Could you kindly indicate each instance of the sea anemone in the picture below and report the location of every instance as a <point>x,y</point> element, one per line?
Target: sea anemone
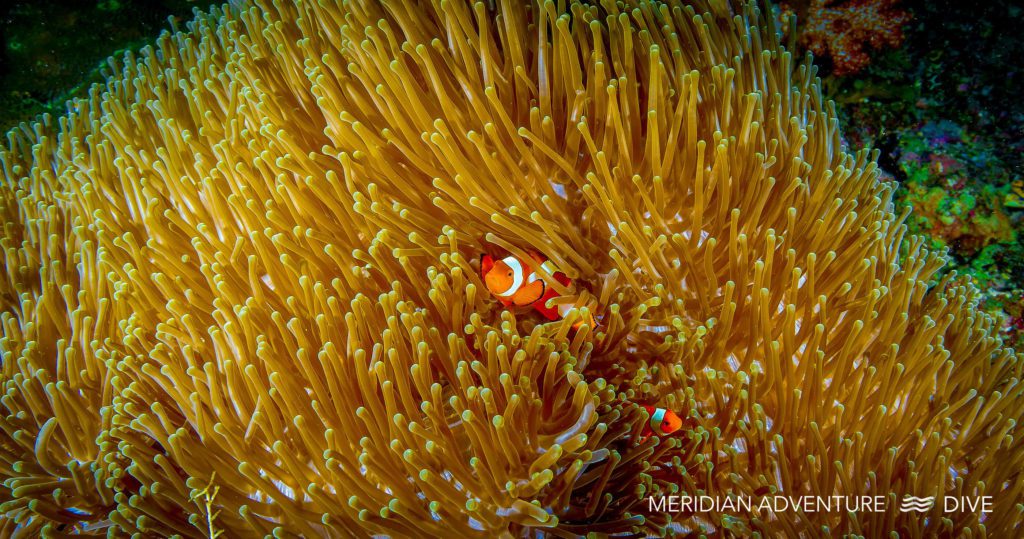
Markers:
<point>242,293</point>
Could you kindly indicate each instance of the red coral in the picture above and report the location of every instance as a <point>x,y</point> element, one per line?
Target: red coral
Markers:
<point>844,30</point>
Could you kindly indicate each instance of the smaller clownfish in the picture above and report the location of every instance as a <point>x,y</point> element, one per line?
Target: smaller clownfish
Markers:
<point>513,282</point>
<point>662,422</point>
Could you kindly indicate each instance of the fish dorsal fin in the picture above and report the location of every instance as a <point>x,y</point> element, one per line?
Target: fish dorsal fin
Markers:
<point>486,264</point>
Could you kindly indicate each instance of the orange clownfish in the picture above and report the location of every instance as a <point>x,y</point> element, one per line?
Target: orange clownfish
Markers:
<point>513,282</point>
<point>662,422</point>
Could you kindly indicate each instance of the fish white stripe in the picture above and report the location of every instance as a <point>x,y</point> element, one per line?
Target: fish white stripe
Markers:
<point>517,276</point>
<point>548,267</point>
<point>657,417</point>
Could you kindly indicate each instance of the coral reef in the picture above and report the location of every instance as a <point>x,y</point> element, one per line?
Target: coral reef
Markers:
<point>948,206</point>
<point>242,295</point>
<point>964,202</point>
<point>845,32</point>
<point>944,112</point>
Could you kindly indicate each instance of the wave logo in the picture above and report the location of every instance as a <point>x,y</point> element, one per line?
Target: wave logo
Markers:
<point>913,503</point>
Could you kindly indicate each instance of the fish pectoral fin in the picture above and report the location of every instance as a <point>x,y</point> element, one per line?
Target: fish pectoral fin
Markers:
<point>530,293</point>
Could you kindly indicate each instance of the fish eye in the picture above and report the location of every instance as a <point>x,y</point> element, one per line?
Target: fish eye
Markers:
<point>510,274</point>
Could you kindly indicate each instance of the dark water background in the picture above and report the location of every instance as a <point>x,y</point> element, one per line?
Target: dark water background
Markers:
<point>52,49</point>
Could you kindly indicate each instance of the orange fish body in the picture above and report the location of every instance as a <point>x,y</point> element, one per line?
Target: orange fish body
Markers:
<point>662,422</point>
<point>512,282</point>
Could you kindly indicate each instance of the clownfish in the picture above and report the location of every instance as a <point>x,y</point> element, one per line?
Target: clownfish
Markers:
<point>512,282</point>
<point>662,422</point>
